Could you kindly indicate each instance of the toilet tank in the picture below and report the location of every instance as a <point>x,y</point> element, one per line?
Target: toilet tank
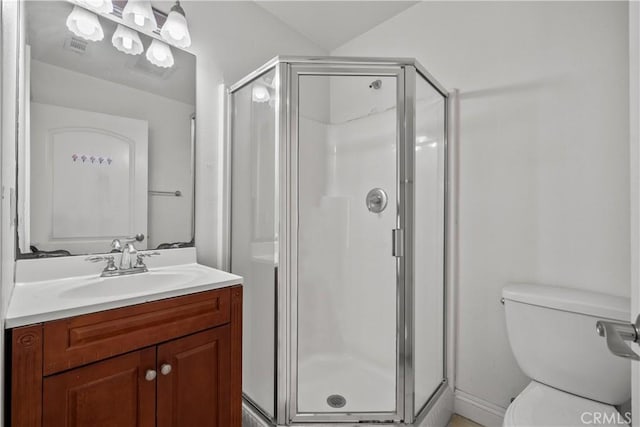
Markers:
<point>552,332</point>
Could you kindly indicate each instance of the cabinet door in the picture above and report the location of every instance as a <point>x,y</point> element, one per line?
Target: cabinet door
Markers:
<point>105,394</point>
<point>196,391</point>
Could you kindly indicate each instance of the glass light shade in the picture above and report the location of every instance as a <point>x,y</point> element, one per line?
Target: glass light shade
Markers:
<point>260,93</point>
<point>84,24</point>
<point>127,40</point>
<point>175,29</point>
<point>101,6</point>
<point>159,54</point>
<point>140,14</point>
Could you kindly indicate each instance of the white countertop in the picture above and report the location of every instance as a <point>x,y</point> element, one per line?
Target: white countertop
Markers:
<point>37,301</point>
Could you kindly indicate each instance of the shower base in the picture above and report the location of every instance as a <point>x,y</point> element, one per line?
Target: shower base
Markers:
<point>364,386</point>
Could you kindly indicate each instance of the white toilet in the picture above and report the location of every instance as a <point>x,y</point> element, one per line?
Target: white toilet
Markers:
<point>575,379</point>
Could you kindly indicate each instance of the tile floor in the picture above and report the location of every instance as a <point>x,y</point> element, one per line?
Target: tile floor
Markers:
<point>459,421</point>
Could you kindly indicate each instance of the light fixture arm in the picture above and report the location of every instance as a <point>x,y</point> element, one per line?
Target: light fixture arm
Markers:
<point>177,8</point>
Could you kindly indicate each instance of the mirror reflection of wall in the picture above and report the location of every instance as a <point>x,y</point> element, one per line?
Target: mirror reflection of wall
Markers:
<point>107,146</point>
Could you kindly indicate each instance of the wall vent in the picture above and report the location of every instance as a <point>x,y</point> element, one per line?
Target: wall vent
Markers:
<point>76,45</point>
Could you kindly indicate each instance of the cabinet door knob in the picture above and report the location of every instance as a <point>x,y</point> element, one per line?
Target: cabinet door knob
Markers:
<point>150,375</point>
<point>165,369</point>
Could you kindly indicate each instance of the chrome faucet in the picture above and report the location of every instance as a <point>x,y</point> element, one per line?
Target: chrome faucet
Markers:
<point>129,254</point>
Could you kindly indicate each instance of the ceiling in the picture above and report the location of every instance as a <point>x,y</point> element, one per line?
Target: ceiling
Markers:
<point>330,24</point>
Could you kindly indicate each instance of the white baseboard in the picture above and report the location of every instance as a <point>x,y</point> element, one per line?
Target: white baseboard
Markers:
<point>478,410</point>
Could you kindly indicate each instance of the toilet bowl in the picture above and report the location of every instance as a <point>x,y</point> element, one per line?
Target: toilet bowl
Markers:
<point>575,380</point>
<point>541,405</point>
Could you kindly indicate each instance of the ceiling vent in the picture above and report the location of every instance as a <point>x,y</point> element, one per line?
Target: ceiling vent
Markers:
<point>75,44</point>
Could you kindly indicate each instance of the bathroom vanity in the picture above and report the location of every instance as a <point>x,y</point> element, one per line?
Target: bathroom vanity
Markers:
<point>95,353</point>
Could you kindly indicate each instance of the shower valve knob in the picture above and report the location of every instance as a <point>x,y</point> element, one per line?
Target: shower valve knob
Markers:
<point>376,200</point>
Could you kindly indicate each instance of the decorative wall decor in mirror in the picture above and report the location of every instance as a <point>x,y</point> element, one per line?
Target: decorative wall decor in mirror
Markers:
<point>106,147</point>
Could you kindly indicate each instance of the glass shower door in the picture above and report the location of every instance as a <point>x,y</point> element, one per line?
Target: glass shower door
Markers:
<point>346,340</point>
<point>254,238</point>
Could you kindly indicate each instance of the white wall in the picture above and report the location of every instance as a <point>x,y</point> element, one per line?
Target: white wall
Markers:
<point>9,39</point>
<point>544,175</point>
<point>230,40</point>
<point>169,138</point>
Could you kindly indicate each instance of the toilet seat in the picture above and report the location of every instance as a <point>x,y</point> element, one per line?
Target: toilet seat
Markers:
<point>541,405</point>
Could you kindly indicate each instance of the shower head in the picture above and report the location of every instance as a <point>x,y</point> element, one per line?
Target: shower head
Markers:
<point>376,84</point>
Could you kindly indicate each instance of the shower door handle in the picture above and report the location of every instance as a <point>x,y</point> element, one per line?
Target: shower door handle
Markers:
<point>397,238</point>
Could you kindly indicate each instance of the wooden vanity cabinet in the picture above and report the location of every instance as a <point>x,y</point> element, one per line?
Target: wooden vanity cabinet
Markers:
<point>113,392</point>
<point>169,363</point>
<point>199,394</point>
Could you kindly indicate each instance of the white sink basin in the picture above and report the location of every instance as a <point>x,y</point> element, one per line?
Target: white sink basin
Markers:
<point>48,290</point>
<point>129,285</point>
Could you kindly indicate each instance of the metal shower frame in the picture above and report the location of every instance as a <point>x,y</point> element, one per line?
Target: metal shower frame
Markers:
<point>287,70</point>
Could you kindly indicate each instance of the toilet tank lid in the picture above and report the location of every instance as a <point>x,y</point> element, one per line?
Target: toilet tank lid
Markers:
<point>568,299</point>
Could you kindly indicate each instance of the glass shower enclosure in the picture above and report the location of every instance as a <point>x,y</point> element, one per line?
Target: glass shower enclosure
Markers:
<point>337,224</point>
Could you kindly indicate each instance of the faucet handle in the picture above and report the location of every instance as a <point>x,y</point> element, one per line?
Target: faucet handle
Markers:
<point>141,255</point>
<point>116,245</point>
<point>111,264</point>
<point>137,238</point>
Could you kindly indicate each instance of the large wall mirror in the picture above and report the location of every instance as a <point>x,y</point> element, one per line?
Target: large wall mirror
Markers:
<point>106,148</point>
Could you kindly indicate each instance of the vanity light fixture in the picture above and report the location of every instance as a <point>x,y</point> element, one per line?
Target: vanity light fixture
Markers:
<point>175,30</point>
<point>100,6</point>
<point>140,14</point>
<point>85,24</point>
<point>127,40</point>
<point>160,54</point>
<point>260,93</point>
